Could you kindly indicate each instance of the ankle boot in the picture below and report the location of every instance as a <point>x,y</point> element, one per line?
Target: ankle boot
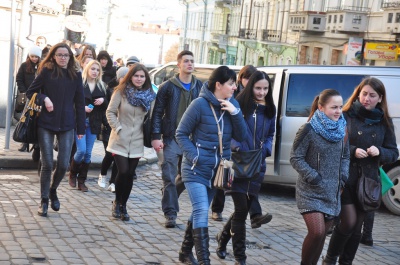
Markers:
<point>73,173</point>
<point>24,147</point>
<point>238,233</point>
<point>124,212</point>
<point>44,205</point>
<point>83,170</point>
<point>201,244</point>
<point>116,210</point>
<point>223,238</point>
<point>349,252</point>
<point>335,248</point>
<point>185,253</point>
<point>366,237</point>
<point>55,203</point>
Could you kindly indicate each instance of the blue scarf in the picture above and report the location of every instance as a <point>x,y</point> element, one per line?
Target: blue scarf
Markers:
<point>140,97</point>
<point>333,131</point>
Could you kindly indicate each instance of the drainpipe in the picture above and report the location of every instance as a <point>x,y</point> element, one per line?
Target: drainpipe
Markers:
<point>24,24</point>
<point>186,26</point>
<point>204,31</point>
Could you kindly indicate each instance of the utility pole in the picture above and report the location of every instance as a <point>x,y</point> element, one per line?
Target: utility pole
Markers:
<point>204,31</point>
<point>185,45</point>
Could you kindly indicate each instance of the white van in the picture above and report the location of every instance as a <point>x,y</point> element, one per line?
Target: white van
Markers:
<point>294,89</point>
<point>201,71</point>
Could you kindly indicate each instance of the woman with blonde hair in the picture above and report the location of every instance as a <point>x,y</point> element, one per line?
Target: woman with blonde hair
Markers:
<point>95,106</point>
<point>129,103</point>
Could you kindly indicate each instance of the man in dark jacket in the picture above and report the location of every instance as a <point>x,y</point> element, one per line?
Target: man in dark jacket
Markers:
<point>173,97</point>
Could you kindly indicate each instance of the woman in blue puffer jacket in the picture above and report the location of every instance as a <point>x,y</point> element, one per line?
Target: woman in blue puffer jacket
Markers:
<point>197,136</point>
<point>259,112</point>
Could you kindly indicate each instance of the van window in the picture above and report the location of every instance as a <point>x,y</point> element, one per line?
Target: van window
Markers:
<point>165,73</point>
<point>303,88</point>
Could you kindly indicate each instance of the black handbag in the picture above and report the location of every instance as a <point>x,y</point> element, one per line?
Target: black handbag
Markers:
<point>147,130</point>
<point>26,128</point>
<point>20,102</point>
<point>247,164</point>
<point>369,192</point>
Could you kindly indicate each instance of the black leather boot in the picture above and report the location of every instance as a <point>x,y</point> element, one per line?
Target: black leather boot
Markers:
<point>223,238</point>
<point>238,233</point>
<point>83,170</point>
<point>335,248</point>
<point>73,173</point>
<point>124,213</point>
<point>349,252</point>
<point>44,205</point>
<point>24,147</point>
<point>185,253</point>
<point>55,203</point>
<point>366,237</point>
<point>116,209</point>
<point>201,244</point>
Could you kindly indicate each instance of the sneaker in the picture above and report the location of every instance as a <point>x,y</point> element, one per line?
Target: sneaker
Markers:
<point>111,187</point>
<point>170,221</point>
<point>102,182</point>
<point>216,216</point>
<point>259,220</point>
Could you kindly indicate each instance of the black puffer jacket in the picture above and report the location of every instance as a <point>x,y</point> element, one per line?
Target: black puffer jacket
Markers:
<point>23,78</point>
<point>166,108</point>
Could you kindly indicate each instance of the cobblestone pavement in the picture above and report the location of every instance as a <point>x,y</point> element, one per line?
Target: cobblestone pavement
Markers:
<point>83,231</point>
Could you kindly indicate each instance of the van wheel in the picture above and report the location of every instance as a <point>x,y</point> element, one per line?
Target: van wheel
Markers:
<point>391,199</point>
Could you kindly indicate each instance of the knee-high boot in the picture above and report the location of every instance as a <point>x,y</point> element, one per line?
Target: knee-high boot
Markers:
<point>238,232</point>
<point>366,237</point>
<point>73,173</point>
<point>349,252</point>
<point>185,253</point>
<point>83,170</point>
<point>335,248</point>
<point>201,244</point>
<point>223,238</point>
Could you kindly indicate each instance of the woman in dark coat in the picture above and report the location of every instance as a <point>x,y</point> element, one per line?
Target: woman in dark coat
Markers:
<point>26,75</point>
<point>259,111</point>
<point>95,107</point>
<point>197,136</point>
<point>372,143</point>
<point>63,110</point>
<point>109,71</point>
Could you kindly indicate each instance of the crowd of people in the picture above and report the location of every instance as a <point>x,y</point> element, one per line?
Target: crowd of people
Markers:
<point>86,96</point>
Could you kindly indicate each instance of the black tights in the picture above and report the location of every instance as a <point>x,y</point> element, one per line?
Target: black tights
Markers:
<point>313,244</point>
<point>351,219</point>
<point>124,180</point>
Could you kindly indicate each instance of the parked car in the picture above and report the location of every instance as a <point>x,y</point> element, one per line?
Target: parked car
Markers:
<point>201,71</point>
<point>294,88</point>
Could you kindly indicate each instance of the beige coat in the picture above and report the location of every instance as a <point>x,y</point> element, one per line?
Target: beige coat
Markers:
<point>126,121</point>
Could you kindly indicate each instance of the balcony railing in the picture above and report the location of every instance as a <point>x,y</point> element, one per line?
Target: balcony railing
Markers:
<point>348,8</point>
<point>250,34</point>
<point>391,4</point>
<point>271,35</point>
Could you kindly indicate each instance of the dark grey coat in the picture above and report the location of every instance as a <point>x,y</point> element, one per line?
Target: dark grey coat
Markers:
<point>323,168</point>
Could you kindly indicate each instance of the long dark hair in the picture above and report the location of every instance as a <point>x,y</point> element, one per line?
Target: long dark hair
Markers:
<point>221,74</point>
<point>246,96</point>
<point>379,88</point>
<point>50,63</point>
<point>30,66</point>
<point>128,79</point>
<point>322,99</point>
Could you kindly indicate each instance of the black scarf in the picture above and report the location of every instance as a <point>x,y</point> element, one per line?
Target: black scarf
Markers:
<point>367,116</point>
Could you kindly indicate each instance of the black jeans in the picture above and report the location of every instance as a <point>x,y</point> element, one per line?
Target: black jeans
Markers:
<point>218,203</point>
<point>242,204</point>
<point>108,159</point>
<point>46,140</point>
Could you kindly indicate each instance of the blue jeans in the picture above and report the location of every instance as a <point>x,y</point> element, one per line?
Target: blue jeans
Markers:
<point>169,170</point>
<point>46,141</point>
<point>84,146</point>
<point>200,197</point>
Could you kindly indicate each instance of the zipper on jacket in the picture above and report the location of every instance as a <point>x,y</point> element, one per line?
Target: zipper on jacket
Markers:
<point>318,160</point>
<point>198,154</point>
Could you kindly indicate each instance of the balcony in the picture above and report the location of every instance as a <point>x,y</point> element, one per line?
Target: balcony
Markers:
<point>271,35</point>
<point>350,19</point>
<point>220,37</point>
<point>393,4</point>
<point>308,21</point>
<point>222,3</point>
<point>348,8</point>
<point>250,34</point>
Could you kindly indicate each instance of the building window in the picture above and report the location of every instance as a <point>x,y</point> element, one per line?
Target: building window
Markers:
<point>334,18</point>
<point>329,18</point>
<point>397,18</point>
<point>304,20</point>
<point>291,20</point>
<point>317,21</point>
<point>356,19</point>
<point>390,18</point>
<point>341,19</point>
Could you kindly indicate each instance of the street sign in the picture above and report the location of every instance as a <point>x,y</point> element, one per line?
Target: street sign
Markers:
<point>76,23</point>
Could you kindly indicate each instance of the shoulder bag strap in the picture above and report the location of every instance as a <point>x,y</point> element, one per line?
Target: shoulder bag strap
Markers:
<point>219,131</point>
